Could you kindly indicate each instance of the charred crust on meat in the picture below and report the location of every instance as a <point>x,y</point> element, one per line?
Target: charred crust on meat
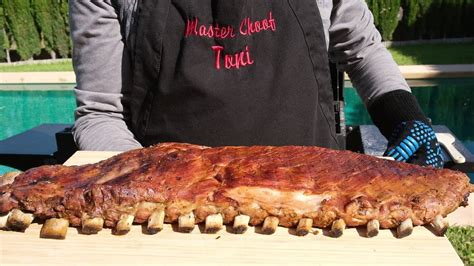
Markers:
<point>214,223</point>
<point>186,223</point>
<point>304,227</point>
<point>240,229</point>
<point>336,233</point>
<point>465,201</point>
<point>373,227</point>
<point>124,225</point>
<point>54,228</point>
<point>91,225</point>
<point>337,228</point>
<point>270,225</point>
<point>359,190</point>
<point>19,221</point>
<point>440,225</point>
<point>405,228</point>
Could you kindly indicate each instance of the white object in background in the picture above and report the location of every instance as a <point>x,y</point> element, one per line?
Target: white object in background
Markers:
<point>386,158</point>
<point>447,140</point>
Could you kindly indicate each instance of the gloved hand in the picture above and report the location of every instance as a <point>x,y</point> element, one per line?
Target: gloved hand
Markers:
<point>415,142</point>
<point>400,119</point>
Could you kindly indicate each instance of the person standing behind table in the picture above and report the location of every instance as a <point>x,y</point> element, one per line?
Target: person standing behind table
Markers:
<point>234,72</point>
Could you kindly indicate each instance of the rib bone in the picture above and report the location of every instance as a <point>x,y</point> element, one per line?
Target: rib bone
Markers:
<point>8,178</point>
<point>54,228</point>
<point>373,227</point>
<point>186,222</point>
<point>156,221</point>
<point>270,225</point>
<point>19,221</point>
<point>3,220</point>
<point>91,225</point>
<point>440,225</point>
<point>241,224</point>
<point>337,228</point>
<point>304,227</point>
<point>405,228</point>
<point>124,224</point>
<point>286,182</point>
<point>214,223</point>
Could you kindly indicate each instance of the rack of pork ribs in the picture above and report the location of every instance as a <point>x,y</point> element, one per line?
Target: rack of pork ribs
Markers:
<point>291,186</point>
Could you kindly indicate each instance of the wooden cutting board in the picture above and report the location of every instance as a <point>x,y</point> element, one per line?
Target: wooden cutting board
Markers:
<point>223,248</point>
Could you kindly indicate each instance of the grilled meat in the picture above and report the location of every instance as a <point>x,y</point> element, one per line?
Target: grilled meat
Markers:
<point>290,183</point>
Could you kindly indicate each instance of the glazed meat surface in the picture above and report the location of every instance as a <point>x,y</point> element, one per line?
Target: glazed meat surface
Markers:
<point>289,182</point>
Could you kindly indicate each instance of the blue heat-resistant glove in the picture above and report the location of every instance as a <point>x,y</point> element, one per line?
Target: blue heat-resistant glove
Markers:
<point>415,142</point>
<point>400,119</point>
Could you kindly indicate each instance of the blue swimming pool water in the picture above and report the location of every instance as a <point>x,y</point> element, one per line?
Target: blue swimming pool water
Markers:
<point>449,102</point>
<point>21,110</point>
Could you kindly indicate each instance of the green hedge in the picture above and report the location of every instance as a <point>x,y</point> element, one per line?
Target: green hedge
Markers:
<point>4,44</point>
<point>21,24</point>
<point>423,19</point>
<point>386,16</point>
<point>30,26</point>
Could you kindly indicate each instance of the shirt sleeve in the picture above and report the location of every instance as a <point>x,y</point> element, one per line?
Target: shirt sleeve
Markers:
<point>98,50</point>
<point>355,45</point>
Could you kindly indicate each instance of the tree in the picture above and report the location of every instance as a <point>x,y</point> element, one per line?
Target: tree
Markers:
<point>22,25</point>
<point>42,10</point>
<point>3,36</point>
<point>386,16</point>
<point>51,21</point>
<point>414,9</point>
<point>468,18</point>
<point>64,9</point>
<point>374,7</point>
<point>61,27</point>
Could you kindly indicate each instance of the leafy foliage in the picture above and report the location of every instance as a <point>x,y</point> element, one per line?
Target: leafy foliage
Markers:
<point>462,239</point>
<point>44,21</point>
<point>436,19</point>
<point>22,26</point>
<point>3,36</point>
<point>386,16</point>
<point>415,9</point>
<point>60,15</point>
<point>50,20</point>
<point>34,25</point>
<point>423,19</point>
<point>28,26</point>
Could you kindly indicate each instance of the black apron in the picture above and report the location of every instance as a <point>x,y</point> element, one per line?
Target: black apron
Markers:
<point>230,72</point>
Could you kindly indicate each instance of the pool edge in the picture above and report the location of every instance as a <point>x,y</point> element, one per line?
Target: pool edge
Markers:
<point>410,72</point>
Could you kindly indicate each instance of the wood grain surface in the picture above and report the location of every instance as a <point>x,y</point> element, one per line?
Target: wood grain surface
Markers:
<point>223,248</point>
<point>171,247</point>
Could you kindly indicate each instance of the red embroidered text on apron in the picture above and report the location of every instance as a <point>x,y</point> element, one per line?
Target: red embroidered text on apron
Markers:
<point>246,28</point>
<point>229,72</point>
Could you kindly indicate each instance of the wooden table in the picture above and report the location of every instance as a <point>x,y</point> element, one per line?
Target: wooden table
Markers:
<point>223,248</point>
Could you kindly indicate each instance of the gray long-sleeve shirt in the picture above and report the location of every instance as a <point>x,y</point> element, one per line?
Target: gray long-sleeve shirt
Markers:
<point>99,29</point>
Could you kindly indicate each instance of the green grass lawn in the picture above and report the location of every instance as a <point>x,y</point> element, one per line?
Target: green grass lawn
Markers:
<point>417,54</point>
<point>49,67</point>
<point>462,239</point>
<point>440,54</point>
